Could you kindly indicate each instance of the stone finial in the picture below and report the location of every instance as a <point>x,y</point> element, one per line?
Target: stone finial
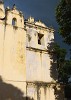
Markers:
<point>30,19</point>
<point>7,7</point>
<point>39,21</point>
<point>20,12</point>
<point>14,6</point>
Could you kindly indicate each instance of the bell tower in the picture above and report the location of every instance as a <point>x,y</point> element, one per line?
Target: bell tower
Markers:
<point>2,10</point>
<point>14,44</point>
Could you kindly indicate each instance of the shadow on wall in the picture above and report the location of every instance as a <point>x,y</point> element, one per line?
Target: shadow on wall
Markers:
<point>10,92</point>
<point>58,89</point>
<point>53,67</point>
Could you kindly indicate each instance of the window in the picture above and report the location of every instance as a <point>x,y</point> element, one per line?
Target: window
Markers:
<point>40,39</point>
<point>14,21</point>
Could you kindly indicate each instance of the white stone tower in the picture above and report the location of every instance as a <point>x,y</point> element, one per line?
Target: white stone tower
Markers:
<point>12,47</point>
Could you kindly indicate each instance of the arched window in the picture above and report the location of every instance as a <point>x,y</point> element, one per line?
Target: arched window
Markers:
<point>14,21</point>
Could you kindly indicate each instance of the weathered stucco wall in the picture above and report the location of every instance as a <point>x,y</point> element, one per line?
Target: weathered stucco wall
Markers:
<point>38,66</point>
<point>14,53</point>
<point>40,91</point>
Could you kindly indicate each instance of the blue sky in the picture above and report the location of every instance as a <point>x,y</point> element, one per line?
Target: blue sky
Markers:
<point>39,9</point>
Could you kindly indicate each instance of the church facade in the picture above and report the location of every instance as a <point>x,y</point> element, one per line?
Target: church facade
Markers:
<point>24,59</point>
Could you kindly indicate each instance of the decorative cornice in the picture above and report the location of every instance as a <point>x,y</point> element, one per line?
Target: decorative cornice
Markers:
<point>37,26</point>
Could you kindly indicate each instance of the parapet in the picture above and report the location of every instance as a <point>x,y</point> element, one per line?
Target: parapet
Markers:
<point>14,17</point>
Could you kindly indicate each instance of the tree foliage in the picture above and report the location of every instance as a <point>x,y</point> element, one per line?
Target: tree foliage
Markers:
<point>63,17</point>
<point>63,65</point>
